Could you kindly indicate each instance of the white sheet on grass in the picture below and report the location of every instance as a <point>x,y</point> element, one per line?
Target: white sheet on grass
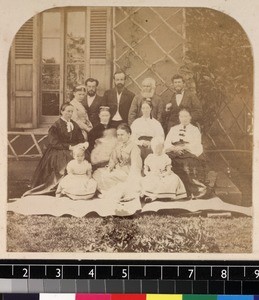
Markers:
<point>48,205</point>
<point>213,204</point>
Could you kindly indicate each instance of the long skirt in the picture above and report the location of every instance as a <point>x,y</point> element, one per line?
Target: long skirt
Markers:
<point>192,171</point>
<point>77,187</point>
<point>49,171</point>
<point>160,187</point>
<point>107,179</point>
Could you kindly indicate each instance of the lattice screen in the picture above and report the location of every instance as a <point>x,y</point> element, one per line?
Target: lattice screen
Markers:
<point>148,42</point>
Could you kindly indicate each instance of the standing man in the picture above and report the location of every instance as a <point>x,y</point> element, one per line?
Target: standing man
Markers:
<point>182,99</point>
<point>147,94</point>
<point>118,99</point>
<point>92,101</point>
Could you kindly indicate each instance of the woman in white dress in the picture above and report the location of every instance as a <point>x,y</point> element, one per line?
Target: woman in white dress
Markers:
<point>160,181</point>
<point>80,115</point>
<point>145,128</point>
<point>124,166</point>
<point>183,145</point>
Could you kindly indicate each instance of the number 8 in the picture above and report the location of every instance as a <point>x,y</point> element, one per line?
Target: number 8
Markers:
<point>224,274</point>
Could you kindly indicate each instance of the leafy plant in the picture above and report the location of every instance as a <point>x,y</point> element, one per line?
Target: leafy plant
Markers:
<point>218,63</point>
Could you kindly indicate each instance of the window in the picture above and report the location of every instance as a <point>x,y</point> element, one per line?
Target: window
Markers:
<point>73,47</point>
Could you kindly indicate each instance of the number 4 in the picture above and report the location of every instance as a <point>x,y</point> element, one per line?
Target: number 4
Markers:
<point>91,273</point>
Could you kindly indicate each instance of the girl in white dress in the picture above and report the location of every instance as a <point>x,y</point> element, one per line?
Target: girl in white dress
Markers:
<point>160,181</point>
<point>78,184</point>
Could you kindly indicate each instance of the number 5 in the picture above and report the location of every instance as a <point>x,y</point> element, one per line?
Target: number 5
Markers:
<point>124,273</point>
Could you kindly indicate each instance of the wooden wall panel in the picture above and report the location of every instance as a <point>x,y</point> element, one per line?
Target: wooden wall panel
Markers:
<point>23,112</point>
<point>23,77</point>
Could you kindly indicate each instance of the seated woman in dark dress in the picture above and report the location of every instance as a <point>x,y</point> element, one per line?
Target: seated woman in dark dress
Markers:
<point>62,136</point>
<point>183,145</point>
<point>98,130</point>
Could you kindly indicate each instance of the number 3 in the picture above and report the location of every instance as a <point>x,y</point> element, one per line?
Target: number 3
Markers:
<point>58,274</point>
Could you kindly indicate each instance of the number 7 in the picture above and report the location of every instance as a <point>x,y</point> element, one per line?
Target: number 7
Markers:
<point>191,272</point>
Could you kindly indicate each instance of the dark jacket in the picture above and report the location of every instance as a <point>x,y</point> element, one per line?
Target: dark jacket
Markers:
<point>135,109</point>
<point>93,110</point>
<point>110,99</point>
<point>190,102</point>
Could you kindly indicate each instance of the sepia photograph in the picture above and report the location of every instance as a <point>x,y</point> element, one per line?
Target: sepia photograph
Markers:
<point>130,130</point>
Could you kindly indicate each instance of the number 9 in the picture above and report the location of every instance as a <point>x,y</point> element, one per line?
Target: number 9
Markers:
<point>256,274</point>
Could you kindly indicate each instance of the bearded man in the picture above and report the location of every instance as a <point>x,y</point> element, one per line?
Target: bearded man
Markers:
<point>118,99</point>
<point>93,101</point>
<point>147,94</point>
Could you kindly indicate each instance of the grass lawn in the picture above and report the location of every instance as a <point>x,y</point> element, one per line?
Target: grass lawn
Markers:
<point>142,233</point>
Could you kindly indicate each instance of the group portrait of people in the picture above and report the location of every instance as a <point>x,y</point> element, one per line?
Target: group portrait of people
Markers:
<point>122,146</point>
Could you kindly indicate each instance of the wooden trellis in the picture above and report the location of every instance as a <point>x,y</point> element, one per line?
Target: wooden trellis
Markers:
<point>28,146</point>
<point>153,37</point>
<point>149,42</point>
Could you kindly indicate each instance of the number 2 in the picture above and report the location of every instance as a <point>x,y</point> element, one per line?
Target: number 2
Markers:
<point>25,274</point>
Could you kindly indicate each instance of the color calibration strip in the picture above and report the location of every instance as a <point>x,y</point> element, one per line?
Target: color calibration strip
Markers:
<point>122,297</point>
<point>128,286</point>
<point>129,277</point>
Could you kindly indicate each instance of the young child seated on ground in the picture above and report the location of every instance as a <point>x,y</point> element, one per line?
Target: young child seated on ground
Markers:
<point>78,184</point>
<point>160,181</point>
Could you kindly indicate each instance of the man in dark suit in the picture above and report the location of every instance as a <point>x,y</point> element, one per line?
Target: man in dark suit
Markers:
<point>182,99</point>
<point>147,94</point>
<point>92,101</point>
<point>119,100</point>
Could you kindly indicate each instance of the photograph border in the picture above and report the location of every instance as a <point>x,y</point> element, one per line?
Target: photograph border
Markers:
<point>13,16</point>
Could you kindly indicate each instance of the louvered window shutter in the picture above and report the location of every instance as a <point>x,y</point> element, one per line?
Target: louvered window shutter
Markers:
<point>24,41</point>
<point>100,46</point>
<point>98,33</point>
<point>22,77</point>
